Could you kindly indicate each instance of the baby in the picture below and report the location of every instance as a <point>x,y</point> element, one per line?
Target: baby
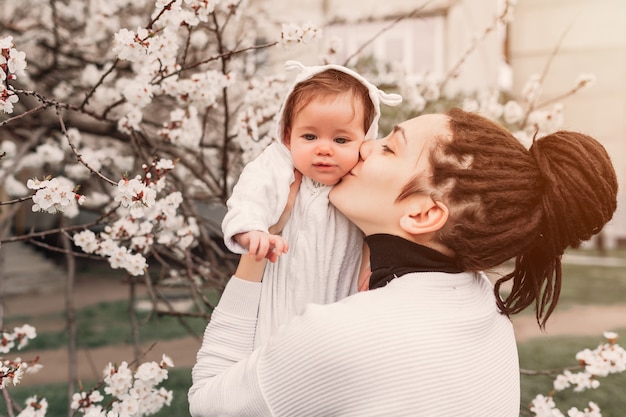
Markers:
<point>323,121</point>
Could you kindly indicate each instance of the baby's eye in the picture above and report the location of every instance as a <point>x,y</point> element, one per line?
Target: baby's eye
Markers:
<point>309,136</point>
<point>341,141</point>
<point>386,149</point>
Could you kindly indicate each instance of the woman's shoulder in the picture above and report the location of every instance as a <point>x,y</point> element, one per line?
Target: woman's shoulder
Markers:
<point>424,298</point>
<point>412,314</point>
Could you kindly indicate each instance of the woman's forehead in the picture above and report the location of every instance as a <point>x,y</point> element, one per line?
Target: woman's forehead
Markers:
<point>426,127</point>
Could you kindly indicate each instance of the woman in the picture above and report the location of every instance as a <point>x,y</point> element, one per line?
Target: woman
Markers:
<point>439,199</point>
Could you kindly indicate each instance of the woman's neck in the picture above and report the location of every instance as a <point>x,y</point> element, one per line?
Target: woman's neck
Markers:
<point>393,256</point>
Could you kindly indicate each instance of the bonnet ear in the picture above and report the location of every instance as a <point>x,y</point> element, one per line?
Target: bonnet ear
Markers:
<point>390,99</point>
<point>294,65</point>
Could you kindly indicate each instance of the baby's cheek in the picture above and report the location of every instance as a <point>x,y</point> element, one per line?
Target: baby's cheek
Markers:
<point>354,158</point>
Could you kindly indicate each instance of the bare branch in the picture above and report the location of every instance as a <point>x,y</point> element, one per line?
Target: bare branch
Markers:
<point>78,155</point>
<point>15,201</point>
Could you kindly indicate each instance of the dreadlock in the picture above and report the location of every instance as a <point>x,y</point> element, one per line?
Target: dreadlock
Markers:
<point>507,202</point>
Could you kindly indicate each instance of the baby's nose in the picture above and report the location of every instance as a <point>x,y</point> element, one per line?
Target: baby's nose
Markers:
<point>323,149</point>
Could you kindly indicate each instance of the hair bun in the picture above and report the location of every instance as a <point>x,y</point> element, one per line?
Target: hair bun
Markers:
<point>579,188</point>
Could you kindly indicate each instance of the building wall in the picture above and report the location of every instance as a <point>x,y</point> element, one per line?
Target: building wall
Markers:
<point>589,36</point>
<point>464,20</point>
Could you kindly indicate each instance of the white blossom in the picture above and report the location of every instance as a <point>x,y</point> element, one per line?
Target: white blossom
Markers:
<point>118,379</point>
<point>512,112</point>
<point>151,373</point>
<point>544,407</point>
<point>6,42</point>
<point>293,34</point>
<point>17,375</point>
<point>532,89</point>
<point>96,200</point>
<point>7,342</point>
<point>35,407</point>
<point>14,188</point>
<point>128,406</point>
<point>592,411</point>
<point>90,75</point>
<point>166,361</point>
<point>183,128</point>
<point>12,63</point>
<point>164,165</point>
<point>137,92</point>
<point>607,358</point>
<point>23,334</point>
<point>127,47</point>
<point>7,100</point>
<point>130,122</point>
<point>135,195</point>
<point>46,153</point>
<point>9,148</point>
<point>54,196</point>
<point>16,61</point>
<point>86,240</point>
<point>135,264</point>
<point>107,247</point>
<point>470,105</point>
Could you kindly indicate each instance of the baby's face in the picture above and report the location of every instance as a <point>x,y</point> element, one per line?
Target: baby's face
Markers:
<point>325,137</point>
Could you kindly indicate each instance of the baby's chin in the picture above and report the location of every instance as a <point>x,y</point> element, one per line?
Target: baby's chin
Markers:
<point>327,181</point>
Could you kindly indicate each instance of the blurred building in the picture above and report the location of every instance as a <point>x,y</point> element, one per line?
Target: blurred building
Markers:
<point>574,37</point>
<point>431,35</point>
<point>563,38</point>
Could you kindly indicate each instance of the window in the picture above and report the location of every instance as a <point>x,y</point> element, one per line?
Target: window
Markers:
<point>417,43</point>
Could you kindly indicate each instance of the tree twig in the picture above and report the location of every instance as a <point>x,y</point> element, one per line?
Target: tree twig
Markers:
<point>385,29</point>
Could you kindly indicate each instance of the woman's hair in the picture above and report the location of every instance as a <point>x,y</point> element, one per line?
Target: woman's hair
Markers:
<point>330,82</point>
<point>507,202</point>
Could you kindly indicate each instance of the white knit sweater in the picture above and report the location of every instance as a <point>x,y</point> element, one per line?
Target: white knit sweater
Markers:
<point>325,248</point>
<point>427,344</point>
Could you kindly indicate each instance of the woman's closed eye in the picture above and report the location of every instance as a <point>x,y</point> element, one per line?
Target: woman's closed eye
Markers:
<point>387,149</point>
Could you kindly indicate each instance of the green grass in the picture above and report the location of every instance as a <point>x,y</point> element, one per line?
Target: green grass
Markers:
<point>108,323</point>
<point>585,285</point>
<point>560,352</point>
<point>609,253</point>
<point>591,284</point>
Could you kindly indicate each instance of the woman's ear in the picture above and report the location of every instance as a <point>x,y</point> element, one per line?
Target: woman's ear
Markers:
<point>423,215</point>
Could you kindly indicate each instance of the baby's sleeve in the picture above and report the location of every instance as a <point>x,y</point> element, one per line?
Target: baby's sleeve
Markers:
<point>260,195</point>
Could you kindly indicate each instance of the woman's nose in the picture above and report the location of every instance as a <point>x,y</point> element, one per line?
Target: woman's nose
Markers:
<point>366,148</point>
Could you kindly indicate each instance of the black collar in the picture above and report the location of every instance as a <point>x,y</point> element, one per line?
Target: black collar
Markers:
<point>393,256</point>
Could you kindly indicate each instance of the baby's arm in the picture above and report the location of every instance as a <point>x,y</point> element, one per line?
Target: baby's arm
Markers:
<point>271,245</point>
<point>262,244</point>
<point>259,197</point>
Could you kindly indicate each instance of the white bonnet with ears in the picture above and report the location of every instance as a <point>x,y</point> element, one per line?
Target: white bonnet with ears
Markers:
<point>375,94</point>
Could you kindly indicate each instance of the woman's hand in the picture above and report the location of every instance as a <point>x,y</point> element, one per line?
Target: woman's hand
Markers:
<point>363,283</point>
<point>293,191</point>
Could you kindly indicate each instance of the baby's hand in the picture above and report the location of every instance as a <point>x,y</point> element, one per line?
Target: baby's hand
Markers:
<point>262,244</point>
